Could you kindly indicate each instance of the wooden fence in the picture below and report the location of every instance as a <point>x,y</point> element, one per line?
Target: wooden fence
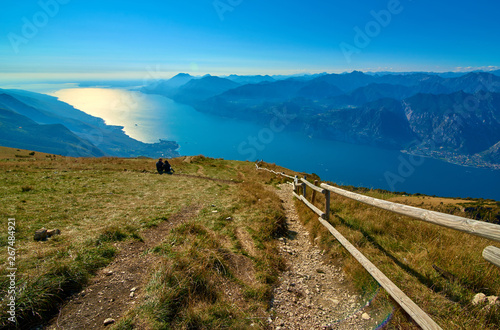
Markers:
<point>473,227</point>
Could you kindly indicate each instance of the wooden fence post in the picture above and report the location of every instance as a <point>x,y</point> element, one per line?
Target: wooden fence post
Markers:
<point>327,204</point>
<point>314,192</point>
<point>304,189</point>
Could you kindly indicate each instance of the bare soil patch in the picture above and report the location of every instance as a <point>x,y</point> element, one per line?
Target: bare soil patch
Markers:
<point>117,288</point>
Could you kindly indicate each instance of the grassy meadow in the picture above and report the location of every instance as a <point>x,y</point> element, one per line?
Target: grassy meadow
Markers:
<point>218,269</point>
<point>97,202</point>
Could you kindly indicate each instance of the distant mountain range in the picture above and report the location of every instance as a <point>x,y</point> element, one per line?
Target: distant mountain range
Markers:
<point>455,117</point>
<point>43,123</point>
<point>450,116</point>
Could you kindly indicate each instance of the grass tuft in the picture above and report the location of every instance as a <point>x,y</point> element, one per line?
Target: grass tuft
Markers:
<point>112,234</point>
<point>26,188</point>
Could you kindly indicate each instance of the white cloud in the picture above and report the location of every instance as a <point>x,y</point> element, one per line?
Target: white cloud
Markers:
<point>476,68</point>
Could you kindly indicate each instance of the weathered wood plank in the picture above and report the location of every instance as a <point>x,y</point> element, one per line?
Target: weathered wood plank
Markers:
<point>313,187</point>
<point>287,176</point>
<point>492,254</point>
<point>277,173</point>
<point>311,206</point>
<point>474,227</point>
<point>416,313</point>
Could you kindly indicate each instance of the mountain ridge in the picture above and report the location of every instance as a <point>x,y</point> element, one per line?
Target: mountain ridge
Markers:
<point>341,107</point>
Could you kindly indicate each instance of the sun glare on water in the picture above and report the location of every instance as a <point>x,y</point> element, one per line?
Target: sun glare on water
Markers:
<point>113,105</point>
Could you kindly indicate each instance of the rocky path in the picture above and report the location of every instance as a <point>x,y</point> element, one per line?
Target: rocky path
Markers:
<point>312,294</point>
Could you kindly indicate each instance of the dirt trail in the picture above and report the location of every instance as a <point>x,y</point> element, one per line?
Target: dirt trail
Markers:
<point>116,288</point>
<point>312,294</point>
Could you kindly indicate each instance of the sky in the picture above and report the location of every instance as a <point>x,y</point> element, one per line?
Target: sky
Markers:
<point>42,40</point>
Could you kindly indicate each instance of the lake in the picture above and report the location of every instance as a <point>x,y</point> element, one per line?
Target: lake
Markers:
<point>149,118</point>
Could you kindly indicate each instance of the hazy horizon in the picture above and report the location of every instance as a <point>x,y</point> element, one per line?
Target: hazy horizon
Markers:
<point>41,82</point>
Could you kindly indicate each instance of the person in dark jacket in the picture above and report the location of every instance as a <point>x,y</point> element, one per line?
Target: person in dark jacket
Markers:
<point>167,168</point>
<point>159,166</point>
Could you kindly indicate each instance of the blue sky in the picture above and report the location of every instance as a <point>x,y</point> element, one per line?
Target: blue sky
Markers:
<point>62,39</point>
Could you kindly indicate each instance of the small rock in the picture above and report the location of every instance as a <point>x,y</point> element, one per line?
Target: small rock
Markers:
<point>41,234</point>
<point>492,299</point>
<point>365,316</point>
<point>215,211</point>
<point>109,321</point>
<point>133,289</point>
<point>53,232</point>
<point>479,298</point>
<point>229,218</point>
<point>109,273</point>
<point>132,294</point>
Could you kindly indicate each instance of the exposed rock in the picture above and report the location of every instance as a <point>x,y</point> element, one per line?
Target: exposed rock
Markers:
<point>492,300</point>
<point>365,316</point>
<point>109,321</point>
<point>53,232</point>
<point>479,298</point>
<point>41,234</point>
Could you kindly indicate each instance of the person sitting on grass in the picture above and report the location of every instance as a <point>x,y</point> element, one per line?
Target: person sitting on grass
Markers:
<point>167,168</point>
<point>159,166</point>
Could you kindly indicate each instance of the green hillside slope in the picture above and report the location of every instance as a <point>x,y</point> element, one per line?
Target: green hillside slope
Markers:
<point>21,132</point>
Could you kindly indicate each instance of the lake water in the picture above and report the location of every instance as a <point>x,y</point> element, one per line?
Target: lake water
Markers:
<point>151,117</point>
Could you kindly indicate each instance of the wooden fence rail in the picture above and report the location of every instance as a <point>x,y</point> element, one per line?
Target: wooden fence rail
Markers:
<point>416,313</point>
<point>492,254</point>
<point>277,173</point>
<point>311,205</point>
<point>473,227</point>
